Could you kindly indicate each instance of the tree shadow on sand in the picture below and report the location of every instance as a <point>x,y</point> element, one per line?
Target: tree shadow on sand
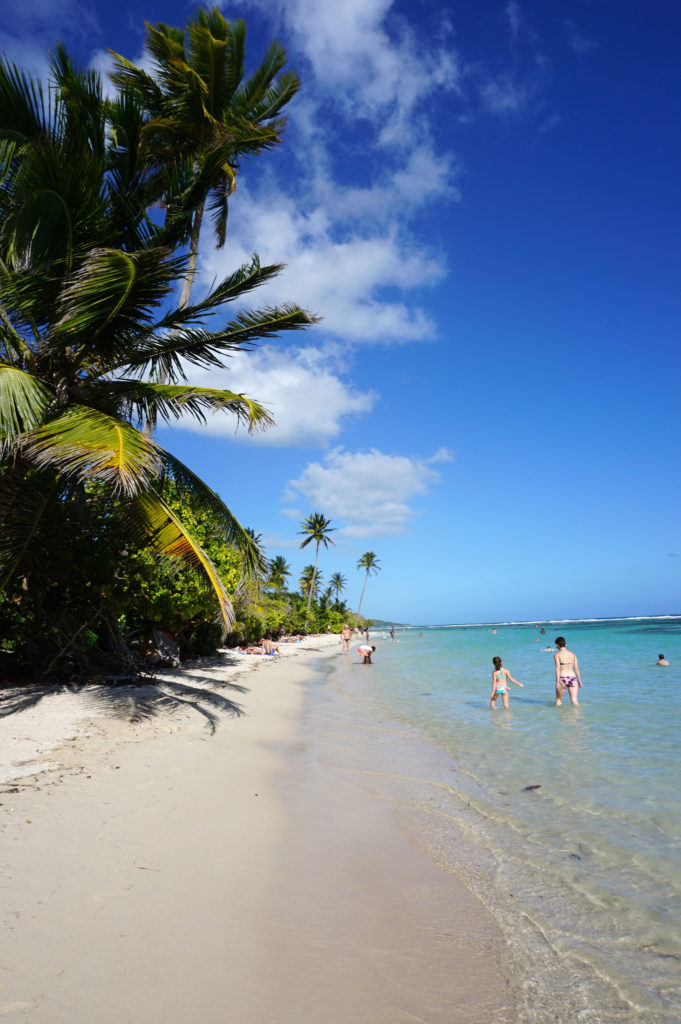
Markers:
<point>135,702</point>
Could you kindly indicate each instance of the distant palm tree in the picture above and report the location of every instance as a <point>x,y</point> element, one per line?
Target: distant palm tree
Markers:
<point>279,570</point>
<point>316,528</point>
<point>309,582</point>
<point>337,583</point>
<point>369,563</point>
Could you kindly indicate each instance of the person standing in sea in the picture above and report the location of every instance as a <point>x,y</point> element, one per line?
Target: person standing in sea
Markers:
<point>567,672</point>
<point>346,637</point>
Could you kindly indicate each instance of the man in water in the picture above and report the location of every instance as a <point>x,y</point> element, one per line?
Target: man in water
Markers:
<point>346,637</point>
<point>661,660</point>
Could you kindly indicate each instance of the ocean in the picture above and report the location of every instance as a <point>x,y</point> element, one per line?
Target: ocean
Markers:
<point>582,871</point>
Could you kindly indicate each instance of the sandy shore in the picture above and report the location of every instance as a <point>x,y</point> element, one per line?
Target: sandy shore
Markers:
<point>202,864</point>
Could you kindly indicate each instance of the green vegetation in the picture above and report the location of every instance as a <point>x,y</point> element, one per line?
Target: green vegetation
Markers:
<point>105,535</point>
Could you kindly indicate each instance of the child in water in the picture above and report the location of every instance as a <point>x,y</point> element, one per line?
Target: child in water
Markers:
<point>500,678</point>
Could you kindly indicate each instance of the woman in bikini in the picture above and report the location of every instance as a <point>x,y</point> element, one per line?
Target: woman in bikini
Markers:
<point>567,672</point>
<point>500,680</point>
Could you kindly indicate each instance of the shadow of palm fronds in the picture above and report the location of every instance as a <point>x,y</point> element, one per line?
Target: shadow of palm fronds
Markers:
<point>133,702</point>
<point>144,703</point>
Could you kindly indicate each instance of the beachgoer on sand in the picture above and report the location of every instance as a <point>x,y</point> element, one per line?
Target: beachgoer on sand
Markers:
<point>366,651</point>
<point>567,672</point>
<point>346,637</point>
<point>500,680</point>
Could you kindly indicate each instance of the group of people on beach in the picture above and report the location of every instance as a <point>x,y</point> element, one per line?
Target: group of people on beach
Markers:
<point>568,678</point>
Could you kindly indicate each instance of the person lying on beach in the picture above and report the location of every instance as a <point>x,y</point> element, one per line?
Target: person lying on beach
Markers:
<point>567,672</point>
<point>500,679</point>
<point>366,651</point>
<point>661,660</point>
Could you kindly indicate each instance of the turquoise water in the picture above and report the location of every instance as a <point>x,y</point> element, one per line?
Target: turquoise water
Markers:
<point>583,872</point>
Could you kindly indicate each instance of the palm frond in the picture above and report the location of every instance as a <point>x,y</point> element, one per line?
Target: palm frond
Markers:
<point>24,401</point>
<point>190,485</point>
<point>89,445</point>
<point>206,348</point>
<point>234,286</point>
<point>170,401</point>
<point>23,112</point>
<point>171,540</point>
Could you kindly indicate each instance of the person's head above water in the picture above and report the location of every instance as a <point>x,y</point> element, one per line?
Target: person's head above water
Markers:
<point>560,641</point>
<point>497,663</point>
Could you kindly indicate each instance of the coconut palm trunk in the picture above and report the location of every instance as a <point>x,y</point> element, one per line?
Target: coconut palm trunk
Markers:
<point>312,588</point>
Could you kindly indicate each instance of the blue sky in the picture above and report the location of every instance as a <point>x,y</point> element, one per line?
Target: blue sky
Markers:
<point>481,200</point>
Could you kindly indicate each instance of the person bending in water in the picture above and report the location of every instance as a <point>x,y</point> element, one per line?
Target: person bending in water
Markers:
<point>500,679</point>
<point>567,672</point>
<point>366,650</point>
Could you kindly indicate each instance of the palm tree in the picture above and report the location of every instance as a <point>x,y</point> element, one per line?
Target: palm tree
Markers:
<point>84,283</point>
<point>203,113</point>
<point>316,528</point>
<point>338,582</point>
<point>279,570</point>
<point>309,583</point>
<point>369,563</point>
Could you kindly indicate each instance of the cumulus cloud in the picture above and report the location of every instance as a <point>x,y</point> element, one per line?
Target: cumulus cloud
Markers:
<point>369,492</point>
<point>342,279</point>
<point>301,388</point>
<point>368,60</point>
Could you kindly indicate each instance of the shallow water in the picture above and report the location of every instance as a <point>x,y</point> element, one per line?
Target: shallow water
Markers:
<point>583,872</point>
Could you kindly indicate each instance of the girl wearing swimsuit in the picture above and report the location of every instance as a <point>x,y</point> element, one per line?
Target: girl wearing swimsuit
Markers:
<point>567,673</point>
<point>500,679</point>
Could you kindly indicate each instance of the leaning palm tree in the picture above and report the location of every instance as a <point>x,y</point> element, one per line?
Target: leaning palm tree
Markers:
<point>337,583</point>
<point>369,563</point>
<point>204,114</point>
<point>85,278</point>
<point>279,570</point>
<point>316,528</point>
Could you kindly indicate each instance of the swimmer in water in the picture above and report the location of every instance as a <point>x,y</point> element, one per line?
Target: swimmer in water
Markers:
<point>500,680</point>
<point>567,673</point>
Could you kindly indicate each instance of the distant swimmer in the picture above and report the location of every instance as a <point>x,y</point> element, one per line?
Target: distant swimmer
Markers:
<point>661,660</point>
<point>567,672</point>
<point>366,651</point>
<point>500,680</point>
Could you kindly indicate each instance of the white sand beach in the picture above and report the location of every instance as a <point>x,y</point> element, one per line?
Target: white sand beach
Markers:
<point>194,866</point>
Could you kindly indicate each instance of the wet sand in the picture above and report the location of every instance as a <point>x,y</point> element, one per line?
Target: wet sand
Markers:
<point>186,868</point>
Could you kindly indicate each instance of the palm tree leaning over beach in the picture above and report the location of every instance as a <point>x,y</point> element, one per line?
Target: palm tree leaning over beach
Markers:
<point>369,563</point>
<point>85,277</point>
<point>316,528</point>
<point>203,114</point>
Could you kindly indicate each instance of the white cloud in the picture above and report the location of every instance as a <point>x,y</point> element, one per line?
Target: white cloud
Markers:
<point>369,492</point>
<point>367,59</point>
<point>341,279</point>
<point>301,388</point>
